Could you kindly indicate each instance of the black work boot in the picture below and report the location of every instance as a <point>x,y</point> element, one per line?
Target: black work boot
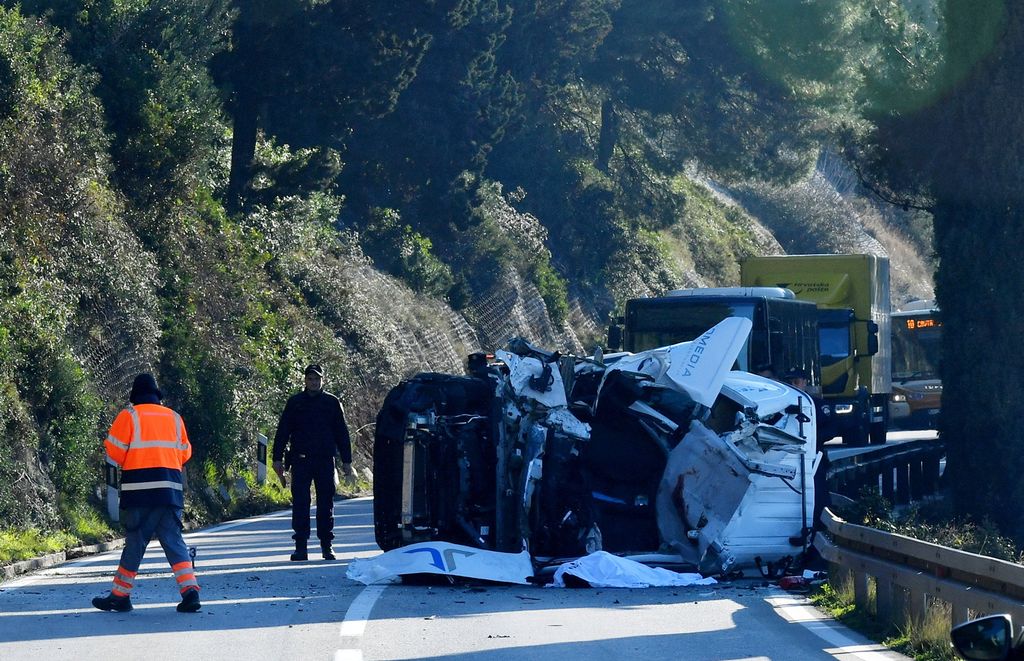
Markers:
<point>300,554</point>
<point>327,551</point>
<point>189,601</point>
<point>111,602</point>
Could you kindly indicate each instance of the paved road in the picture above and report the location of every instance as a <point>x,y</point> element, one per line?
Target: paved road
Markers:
<point>258,605</point>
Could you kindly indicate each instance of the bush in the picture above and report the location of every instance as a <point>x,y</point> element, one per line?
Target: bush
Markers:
<point>18,545</point>
<point>399,250</point>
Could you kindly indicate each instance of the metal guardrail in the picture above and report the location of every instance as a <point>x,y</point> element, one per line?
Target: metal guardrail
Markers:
<point>903,472</point>
<point>910,574</point>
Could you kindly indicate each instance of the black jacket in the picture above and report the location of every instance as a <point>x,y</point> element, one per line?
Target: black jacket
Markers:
<point>313,425</point>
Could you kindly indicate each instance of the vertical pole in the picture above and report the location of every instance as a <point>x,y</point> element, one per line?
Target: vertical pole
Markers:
<point>884,599</point>
<point>916,480</point>
<point>261,458</point>
<point>860,590</point>
<point>113,495</point>
<point>960,614</point>
<point>931,473</point>
<point>888,490</point>
<point>902,484</point>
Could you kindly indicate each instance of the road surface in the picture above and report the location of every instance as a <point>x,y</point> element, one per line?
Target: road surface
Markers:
<point>258,605</point>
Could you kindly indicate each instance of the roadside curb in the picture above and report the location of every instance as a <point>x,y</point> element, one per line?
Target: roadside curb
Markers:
<point>7,572</point>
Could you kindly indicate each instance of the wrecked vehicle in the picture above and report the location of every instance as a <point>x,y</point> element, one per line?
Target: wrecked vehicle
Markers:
<point>665,456</point>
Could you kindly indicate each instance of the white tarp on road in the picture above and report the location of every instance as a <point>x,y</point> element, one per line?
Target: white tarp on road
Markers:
<point>443,559</point>
<point>604,570</point>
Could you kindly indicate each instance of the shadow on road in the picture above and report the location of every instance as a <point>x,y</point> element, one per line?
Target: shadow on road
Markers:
<point>246,579</point>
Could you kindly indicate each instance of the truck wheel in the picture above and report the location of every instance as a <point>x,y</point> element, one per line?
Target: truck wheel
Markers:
<point>856,438</point>
<point>878,432</point>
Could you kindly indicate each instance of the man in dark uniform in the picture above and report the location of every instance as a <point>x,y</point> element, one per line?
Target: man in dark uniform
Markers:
<point>311,433</point>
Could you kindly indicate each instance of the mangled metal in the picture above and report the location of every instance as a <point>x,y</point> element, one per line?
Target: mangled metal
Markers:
<point>665,456</point>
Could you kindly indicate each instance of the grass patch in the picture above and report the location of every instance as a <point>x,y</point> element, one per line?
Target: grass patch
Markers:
<point>88,527</point>
<point>82,526</point>
<point>260,498</point>
<point>16,545</point>
<point>926,640</point>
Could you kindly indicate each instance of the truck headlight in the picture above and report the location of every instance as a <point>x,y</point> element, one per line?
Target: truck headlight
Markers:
<point>844,409</point>
<point>897,397</point>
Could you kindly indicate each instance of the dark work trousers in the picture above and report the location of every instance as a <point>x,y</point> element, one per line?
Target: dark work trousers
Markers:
<point>318,471</point>
<point>141,525</point>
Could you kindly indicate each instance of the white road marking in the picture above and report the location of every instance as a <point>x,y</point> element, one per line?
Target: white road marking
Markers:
<point>796,610</point>
<point>355,622</point>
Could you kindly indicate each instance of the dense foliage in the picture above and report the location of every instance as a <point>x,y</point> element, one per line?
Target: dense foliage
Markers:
<point>219,191</point>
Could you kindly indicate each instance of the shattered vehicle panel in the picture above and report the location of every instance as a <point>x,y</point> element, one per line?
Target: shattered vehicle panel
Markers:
<point>664,456</point>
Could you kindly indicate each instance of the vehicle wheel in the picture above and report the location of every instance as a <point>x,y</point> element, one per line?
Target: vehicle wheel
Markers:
<point>878,432</point>
<point>856,438</point>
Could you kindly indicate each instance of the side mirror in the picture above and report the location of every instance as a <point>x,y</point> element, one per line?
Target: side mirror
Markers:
<point>872,338</point>
<point>985,639</point>
<point>614,337</point>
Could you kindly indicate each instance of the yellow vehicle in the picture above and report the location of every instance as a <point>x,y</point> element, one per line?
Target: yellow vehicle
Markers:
<point>851,293</point>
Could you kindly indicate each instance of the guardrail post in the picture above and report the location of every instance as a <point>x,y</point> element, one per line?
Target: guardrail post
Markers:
<point>931,473</point>
<point>918,605</point>
<point>261,458</point>
<point>902,484</point>
<point>888,492</point>
<point>860,590</point>
<point>900,602</point>
<point>113,495</point>
<point>883,599</point>
<point>916,479</point>
<point>960,614</point>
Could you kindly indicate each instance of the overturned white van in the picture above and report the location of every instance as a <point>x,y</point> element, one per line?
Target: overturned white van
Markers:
<point>665,456</point>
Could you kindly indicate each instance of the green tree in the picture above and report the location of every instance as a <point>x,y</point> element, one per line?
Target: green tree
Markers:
<point>159,102</point>
<point>306,71</point>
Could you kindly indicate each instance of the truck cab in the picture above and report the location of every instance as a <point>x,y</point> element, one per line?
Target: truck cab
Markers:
<point>851,293</point>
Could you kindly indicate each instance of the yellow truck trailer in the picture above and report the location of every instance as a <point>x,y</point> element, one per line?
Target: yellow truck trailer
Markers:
<point>851,293</point>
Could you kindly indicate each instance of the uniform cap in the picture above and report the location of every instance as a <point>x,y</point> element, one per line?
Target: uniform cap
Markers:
<point>314,369</point>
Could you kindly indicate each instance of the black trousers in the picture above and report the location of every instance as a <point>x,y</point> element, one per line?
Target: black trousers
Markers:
<point>318,471</point>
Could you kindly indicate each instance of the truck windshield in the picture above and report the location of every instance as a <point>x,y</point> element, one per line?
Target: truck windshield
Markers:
<point>834,335</point>
<point>915,346</point>
<point>681,320</point>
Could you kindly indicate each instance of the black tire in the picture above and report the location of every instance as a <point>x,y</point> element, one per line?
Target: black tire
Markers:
<point>857,438</point>
<point>878,433</point>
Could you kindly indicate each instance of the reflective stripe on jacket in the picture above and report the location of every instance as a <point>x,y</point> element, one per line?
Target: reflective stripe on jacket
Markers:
<point>150,444</point>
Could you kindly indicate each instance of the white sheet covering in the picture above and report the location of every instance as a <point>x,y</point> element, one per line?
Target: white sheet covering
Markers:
<point>444,559</point>
<point>604,570</point>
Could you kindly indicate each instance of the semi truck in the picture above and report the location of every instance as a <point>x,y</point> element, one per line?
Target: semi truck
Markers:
<point>851,293</point>
<point>916,355</point>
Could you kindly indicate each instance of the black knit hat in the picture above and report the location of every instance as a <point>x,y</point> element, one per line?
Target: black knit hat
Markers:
<point>144,389</point>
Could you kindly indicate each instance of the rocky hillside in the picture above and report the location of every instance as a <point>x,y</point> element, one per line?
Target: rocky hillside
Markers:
<point>185,193</point>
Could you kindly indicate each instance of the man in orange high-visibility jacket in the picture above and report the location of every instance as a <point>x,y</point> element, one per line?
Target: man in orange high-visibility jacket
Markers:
<point>149,442</point>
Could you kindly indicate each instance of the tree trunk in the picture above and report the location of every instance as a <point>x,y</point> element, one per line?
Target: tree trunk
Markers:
<point>243,148</point>
<point>609,134</point>
<point>979,231</point>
